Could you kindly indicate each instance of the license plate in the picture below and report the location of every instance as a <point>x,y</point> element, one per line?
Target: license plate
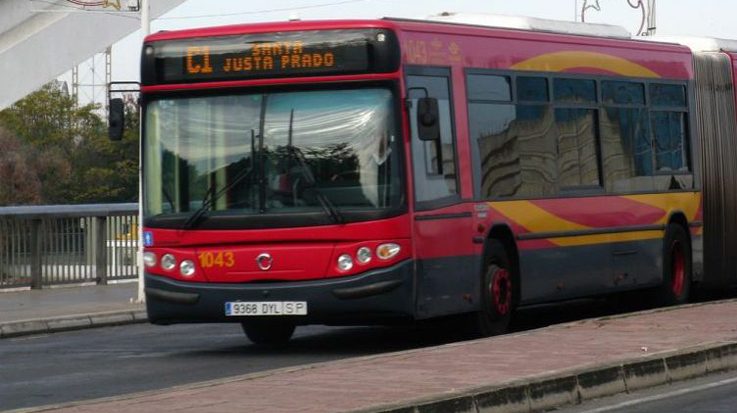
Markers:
<point>257,308</point>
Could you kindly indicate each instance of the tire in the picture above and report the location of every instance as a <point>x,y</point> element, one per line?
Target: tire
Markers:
<point>676,286</point>
<point>497,292</point>
<point>268,333</point>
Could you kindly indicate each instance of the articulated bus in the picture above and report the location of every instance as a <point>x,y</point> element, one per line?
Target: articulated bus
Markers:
<point>388,171</point>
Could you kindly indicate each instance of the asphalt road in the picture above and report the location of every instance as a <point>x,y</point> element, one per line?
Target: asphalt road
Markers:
<point>104,362</point>
<point>86,364</point>
<point>711,394</point>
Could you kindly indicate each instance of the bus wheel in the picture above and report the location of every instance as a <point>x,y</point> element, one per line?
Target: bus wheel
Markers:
<point>497,295</point>
<point>676,284</point>
<point>268,333</point>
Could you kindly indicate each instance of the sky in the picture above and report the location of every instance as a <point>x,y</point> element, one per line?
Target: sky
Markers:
<point>711,18</point>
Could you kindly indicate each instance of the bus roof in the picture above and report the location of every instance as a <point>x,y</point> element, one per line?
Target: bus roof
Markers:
<point>528,24</point>
<point>466,19</point>
<point>698,44</point>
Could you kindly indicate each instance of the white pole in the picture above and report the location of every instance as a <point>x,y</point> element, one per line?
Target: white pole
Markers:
<point>145,18</point>
<point>651,22</point>
<point>145,31</point>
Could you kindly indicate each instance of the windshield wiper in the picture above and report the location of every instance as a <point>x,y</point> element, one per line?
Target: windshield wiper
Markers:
<point>211,197</point>
<point>330,209</point>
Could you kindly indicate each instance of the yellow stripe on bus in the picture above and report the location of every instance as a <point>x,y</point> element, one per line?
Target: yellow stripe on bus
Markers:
<point>562,61</point>
<point>606,238</point>
<point>535,219</point>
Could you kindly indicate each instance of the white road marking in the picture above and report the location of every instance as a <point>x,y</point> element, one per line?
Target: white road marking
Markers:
<point>663,396</point>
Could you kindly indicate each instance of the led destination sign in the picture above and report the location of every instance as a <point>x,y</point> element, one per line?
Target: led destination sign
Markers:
<point>283,54</point>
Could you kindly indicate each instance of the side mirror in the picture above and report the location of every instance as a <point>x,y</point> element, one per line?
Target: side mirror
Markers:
<point>428,119</point>
<point>116,119</point>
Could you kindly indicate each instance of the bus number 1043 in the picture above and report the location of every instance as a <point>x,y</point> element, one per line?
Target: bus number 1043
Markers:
<point>217,259</point>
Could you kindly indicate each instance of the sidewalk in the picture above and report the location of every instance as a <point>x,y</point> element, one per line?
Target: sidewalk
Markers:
<point>67,308</point>
<point>522,372</point>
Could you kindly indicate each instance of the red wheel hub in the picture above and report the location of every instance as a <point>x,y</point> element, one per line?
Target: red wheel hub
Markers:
<point>677,269</point>
<point>501,291</point>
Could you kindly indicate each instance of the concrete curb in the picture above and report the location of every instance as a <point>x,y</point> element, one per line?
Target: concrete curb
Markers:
<point>73,322</point>
<point>565,388</point>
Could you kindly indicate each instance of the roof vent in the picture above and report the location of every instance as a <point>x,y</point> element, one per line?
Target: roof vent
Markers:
<point>532,24</point>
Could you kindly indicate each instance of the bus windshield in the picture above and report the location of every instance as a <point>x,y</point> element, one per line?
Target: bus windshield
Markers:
<point>316,157</point>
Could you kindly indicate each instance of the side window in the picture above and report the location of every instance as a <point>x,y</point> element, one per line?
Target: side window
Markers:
<point>574,90</point>
<point>576,119</point>
<point>577,149</point>
<point>668,119</point>
<point>515,143</point>
<point>625,133</point>
<point>434,163</point>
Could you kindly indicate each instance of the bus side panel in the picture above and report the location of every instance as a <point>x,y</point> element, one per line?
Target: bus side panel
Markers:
<point>563,273</point>
<point>591,245</point>
<point>447,269</point>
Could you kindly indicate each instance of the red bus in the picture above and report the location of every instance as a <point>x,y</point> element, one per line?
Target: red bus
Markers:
<point>383,171</point>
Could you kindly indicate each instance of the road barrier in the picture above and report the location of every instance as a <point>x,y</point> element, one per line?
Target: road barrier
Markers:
<point>67,244</point>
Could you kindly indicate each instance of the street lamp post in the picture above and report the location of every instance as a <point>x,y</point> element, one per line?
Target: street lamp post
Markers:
<point>145,30</point>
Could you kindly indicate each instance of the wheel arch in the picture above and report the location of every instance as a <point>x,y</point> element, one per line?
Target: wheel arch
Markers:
<point>503,233</point>
<point>678,217</point>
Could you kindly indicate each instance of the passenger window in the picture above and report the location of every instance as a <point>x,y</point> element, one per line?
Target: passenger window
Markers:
<point>488,87</point>
<point>578,161</point>
<point>664,95</point>
<point>515,143</point>
<point>532,89</point>
<point>623,93</point>
<point>574,90</point>
<point>671,150</point>
<point>669,126</point>
<point>626,149</point>
<point>516,147</point>
<point>434,162</point>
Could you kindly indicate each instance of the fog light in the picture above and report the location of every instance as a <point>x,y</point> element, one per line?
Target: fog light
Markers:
<point>387,251</point>
<point>149,259</point>
<point>187,268</point>
<point>363,255</point>
<point>168,262</point>
<point>345,262</point>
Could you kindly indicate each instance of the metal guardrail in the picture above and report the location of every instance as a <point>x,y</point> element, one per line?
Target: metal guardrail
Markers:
<point>67,244</point>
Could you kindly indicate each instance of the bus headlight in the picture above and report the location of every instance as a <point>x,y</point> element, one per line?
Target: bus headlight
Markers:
<point>187,268</point>
<point>168,262</point>
<point>363,255</point>
<point>345,262</point>
<point>149,259</point>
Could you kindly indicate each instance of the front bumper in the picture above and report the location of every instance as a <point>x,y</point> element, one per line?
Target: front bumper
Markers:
<point>380,296</point>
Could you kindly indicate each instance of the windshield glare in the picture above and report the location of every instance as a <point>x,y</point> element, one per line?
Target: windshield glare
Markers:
<point>272,153</point>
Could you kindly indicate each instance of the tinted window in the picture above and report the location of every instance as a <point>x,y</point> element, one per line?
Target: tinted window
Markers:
<point>574,90</point>
<point>623,93</point>
<point>667,95</point>
<point>626,149</point>
<point>516,145</point>
<point>488,87</point>
<point>578,163</point>
<point>671,152</point>
<point>532,89</point>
